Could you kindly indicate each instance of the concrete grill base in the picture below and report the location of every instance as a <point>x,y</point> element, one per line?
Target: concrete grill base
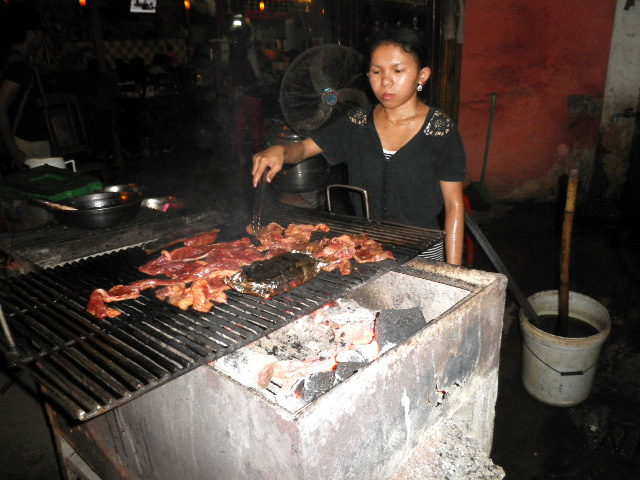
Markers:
<point>449,452</point>
<point>204,425</point>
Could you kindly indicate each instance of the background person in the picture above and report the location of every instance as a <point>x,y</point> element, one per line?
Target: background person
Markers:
<point>245,80</point>
<point>23,129</point>
<point>407,155</point>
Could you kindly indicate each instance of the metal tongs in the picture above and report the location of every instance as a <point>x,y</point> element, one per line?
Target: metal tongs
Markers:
<point>259,202</point>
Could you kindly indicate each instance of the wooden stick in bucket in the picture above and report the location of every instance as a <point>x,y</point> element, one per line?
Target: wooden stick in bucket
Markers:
<point>562,326</point>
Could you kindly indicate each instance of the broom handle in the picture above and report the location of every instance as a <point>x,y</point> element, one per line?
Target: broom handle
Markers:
<point>520,297</point>
<point>570,206</point>
<point>486,146</point>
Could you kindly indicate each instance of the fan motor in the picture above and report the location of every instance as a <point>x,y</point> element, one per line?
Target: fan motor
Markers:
<point>330,97</point>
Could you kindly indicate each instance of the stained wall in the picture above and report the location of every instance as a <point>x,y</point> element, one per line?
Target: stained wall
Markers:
<point>547,63</point>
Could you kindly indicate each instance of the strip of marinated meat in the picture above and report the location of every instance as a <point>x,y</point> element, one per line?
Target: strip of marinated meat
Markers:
<point>177,295</point>
<point>97,307</point>
<point>119,293</point>
<point>274,235</point>
<point>337,253</point>
<point>172,265</point>
<point>199,295</point>
<point>205,238</point>
<point>188,254</point>
<point>204,292</point>
<point>369,251</point>
<point>275,240</point>
<point>214,291</point>
<point>302,233</point>
<point>272,232</point>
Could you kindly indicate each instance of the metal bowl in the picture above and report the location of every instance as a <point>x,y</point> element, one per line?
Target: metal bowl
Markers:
<point>125,187</point>
<point>99,210</point>
<point>164,204</point>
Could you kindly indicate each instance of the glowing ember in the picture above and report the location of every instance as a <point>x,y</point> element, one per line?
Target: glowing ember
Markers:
<point>314,353</point>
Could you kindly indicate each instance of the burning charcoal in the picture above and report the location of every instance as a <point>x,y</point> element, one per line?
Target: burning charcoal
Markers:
<point>394,326</point>
<point>316,385</point>
<point>345,369</point>
<point>360,353</point>
<point>291,398</point>
<point>249,366</point>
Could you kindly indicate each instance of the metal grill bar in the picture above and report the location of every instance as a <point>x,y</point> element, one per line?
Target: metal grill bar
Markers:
<point>88,365</point>
<point>394,234</point>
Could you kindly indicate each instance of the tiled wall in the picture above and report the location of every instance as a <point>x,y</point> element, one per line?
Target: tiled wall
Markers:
<point>128,49</point>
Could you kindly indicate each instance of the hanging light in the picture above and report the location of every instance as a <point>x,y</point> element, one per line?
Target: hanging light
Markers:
<point>306,4</point>
<point>187,4</point>
<point>83,3</point>
<point>262,6</point>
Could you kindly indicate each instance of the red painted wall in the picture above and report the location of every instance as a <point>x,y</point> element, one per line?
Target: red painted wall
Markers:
<point>533,54</point>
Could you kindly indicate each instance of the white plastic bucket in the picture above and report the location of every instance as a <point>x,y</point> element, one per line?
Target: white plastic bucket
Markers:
<point>560,370</point>
<point>57,162</point>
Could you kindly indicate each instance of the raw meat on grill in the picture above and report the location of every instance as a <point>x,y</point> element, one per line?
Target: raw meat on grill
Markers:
<point>119,293</point>
<point>368,251</point>
<point>197,273</point>
<point>169,263</point>
<point>199,296</point>
<point>275,240</point>
<point>205,238</point>
<point>338,253</point>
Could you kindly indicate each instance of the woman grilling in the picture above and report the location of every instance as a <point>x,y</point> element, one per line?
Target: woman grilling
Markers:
<point>407,155</point>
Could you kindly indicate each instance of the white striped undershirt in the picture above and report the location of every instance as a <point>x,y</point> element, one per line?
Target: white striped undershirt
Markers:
<point>387,154</point>
<point>436,252</point>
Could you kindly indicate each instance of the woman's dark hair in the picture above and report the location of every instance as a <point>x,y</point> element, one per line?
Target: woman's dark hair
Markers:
<point>411,41</point>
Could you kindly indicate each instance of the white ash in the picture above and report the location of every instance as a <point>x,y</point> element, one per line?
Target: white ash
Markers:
<point>250,366</point>
<point>359,354</point>
<point>321,333</point>
<point>447,452</point>
<point>314,343</point>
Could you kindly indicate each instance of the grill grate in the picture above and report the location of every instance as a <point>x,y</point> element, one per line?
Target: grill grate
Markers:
<point>89,366</point>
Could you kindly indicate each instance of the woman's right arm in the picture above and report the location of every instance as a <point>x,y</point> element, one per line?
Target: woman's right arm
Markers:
<point>276,156</point>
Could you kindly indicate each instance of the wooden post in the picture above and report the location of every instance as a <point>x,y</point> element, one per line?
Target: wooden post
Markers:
<point>562,327</point>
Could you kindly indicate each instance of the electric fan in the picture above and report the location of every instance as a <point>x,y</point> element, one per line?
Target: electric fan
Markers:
<point>320,85</point>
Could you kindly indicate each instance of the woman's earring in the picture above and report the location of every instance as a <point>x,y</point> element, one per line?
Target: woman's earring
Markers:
<point>419,87</point>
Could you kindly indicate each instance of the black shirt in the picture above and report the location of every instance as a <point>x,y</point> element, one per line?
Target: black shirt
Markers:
<point>405,188</point>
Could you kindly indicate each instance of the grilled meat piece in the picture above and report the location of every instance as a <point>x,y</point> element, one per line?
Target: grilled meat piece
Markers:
<point>199,273</point>
<point>205,238</point>
<point>276,275</point>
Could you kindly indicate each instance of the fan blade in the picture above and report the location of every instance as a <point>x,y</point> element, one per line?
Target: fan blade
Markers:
<point>305,125</point>
<point>352,95</point>
<point>316,73</point>
<point>300,96</point>
<point>321,84</point>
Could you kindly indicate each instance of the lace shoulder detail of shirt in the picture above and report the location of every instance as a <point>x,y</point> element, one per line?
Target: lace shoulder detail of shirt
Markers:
<point>439,125</point>
<point>358,116</point>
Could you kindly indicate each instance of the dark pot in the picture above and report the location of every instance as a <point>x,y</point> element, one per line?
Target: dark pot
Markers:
<point>307,176</point>
<point>99,210</point>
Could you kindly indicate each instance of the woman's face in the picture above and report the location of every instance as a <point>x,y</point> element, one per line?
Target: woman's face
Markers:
<point>394,75</point>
